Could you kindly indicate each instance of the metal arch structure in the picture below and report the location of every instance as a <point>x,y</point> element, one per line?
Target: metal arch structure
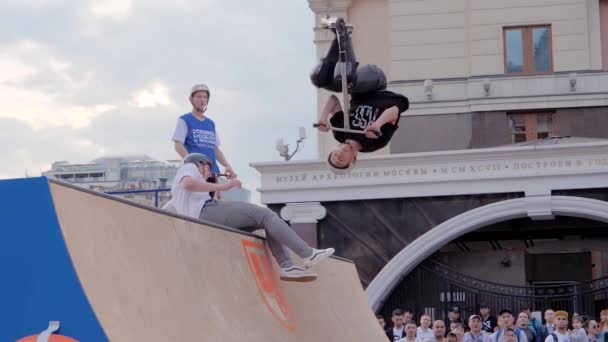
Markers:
<point>420,249</point>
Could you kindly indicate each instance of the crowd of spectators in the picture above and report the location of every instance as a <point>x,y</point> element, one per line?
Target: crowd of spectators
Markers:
<point>556,326</point>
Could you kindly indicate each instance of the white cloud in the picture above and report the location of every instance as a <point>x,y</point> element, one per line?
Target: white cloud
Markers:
<point>155,95</point>
<point>22,60</point>
<point>123,81</point>
<point>41,110</point>
<point>91,146</point>
<point>13,70</point>
<point>35,3</point>
<point>111,9</point>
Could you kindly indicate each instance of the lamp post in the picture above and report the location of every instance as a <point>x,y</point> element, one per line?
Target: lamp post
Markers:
<point>284,148</point>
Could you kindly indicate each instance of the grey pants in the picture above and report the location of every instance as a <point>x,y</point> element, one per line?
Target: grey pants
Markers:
<point>249,217</point>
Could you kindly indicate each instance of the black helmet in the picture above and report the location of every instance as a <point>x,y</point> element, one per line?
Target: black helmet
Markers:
<point>196,158</point>
<point>370,78</point>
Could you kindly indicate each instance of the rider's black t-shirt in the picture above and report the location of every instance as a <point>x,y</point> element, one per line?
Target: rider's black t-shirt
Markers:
<point>364,110</point>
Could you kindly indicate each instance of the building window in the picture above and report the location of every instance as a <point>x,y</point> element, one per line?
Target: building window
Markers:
<point>528,50</point>
<point>532,126</point>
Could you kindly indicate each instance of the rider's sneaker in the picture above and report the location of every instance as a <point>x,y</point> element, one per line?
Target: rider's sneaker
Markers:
<point>317,256</point>
<point>295,273</point>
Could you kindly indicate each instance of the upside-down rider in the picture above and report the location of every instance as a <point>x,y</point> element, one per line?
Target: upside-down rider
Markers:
<point>374,112</point>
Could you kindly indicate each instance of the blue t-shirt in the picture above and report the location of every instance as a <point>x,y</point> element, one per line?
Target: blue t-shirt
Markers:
<point>201,137</point>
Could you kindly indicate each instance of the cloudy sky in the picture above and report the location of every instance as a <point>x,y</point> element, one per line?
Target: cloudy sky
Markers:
<point>80,79</point>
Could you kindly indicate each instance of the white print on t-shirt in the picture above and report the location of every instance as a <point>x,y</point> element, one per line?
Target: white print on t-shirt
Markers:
<point>202,136</point>
<point>364,116</point>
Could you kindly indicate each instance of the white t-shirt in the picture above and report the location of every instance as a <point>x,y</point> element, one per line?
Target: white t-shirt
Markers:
<point>188,203</point>
<point>181,132</point>
<point>561,337</point>
<point>421,335</point>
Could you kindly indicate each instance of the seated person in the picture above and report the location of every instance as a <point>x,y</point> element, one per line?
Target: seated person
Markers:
<point>190,197</point>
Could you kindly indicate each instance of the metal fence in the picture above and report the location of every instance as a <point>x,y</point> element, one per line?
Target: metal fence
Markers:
<point>433,288</point>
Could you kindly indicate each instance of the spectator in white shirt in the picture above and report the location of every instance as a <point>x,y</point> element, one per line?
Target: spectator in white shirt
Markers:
<point>476,334</point>
<point>549,326</point>
<point>424,331</point>
<point>560,334</point>
<point>410,332</point>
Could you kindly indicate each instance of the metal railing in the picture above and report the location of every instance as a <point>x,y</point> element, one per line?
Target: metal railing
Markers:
<point>135,192</point>
<point>434,288</point>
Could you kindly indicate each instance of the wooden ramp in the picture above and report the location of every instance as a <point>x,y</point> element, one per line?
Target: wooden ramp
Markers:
<point>152,276</point>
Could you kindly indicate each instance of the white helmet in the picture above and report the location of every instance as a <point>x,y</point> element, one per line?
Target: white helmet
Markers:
<point>199,87</point>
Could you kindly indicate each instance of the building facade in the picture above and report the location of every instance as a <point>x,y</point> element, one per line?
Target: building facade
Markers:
<point>129,173</point>
<point>497,178</point>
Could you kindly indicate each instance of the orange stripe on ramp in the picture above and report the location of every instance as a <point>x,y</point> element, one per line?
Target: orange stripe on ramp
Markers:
<point>267,283</point>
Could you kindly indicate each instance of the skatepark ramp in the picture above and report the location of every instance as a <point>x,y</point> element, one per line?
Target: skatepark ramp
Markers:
<point>104,269</point>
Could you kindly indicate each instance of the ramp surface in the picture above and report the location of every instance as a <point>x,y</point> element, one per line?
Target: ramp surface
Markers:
<point>110,270</point>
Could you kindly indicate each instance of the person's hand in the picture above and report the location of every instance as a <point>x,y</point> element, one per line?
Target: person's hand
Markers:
<point>230,174</point>
<point>234,183</point>
<point>372,131</point>
<point>218,195</point>
<point>323,125</point>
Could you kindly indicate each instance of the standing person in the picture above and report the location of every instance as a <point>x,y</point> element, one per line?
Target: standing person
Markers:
<point>424,330</point>
<point>604,320</point>
<point>507,321</point>
<point>549,326</point>
<point>523,320</point>
<point>451,337</point>
<point>592,328</point>
<point>476,334</point>
<point>453,317</point>
<point>560,333</point>
<point>190,198</point>
<point>410,332</point>
<point>438,331</point>
<point>533,323</point>
<point>397,332</point>
<point>381,321</point>
<point>195,132</point>
<point>489,322</point>
<point>458,329</point>
<point>510,335</point>
<point>408,315</point>
<point>578,333</point>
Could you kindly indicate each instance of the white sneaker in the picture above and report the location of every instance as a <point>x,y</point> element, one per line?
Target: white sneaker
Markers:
<point>296,273</point>
<point>317,256</point>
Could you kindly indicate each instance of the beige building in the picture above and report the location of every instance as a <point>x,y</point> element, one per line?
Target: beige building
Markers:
<point>467,66</point>
<point>472,193</point>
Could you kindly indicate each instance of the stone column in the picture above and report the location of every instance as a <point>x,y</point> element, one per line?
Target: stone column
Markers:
<point>303,218</point>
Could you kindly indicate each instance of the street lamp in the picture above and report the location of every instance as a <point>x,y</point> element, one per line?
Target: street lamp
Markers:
<point>284,148</point>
